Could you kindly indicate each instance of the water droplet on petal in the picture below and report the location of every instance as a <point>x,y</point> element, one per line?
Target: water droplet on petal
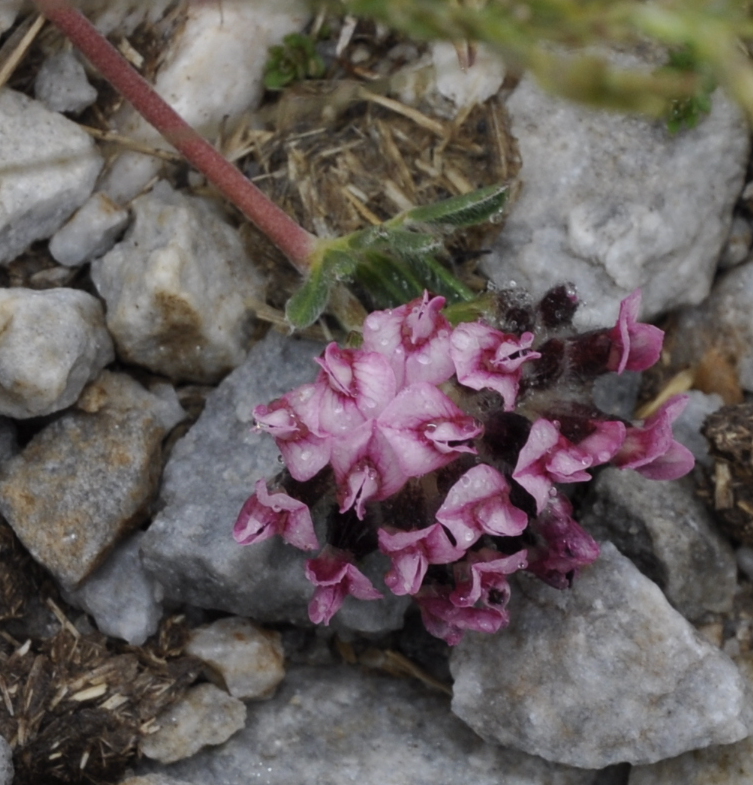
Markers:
<point>423,359</point>
<point>305,455</point>
<point>430,427</point>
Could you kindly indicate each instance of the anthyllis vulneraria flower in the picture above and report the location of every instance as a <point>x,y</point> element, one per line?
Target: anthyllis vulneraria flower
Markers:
<point>447,449</point>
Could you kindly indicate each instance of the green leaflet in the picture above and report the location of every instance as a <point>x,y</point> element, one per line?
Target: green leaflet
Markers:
<point>467,210</point>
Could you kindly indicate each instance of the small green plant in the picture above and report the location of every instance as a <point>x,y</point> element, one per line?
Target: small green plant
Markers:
<point>294,60</point>
<point>688,111</point>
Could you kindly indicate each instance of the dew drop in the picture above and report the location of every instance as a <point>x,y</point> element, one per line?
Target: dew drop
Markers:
<point>305,455</point>
<point>423,359</point>
<point>552,491</point>
<point>430,427</point>
<point>602,457</point>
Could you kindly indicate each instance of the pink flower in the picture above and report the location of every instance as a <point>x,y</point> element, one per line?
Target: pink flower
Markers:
<point>443,619</point>
<point>412,552</point>
<point>293,421</point>
<point>635,346</point>
<point>366,468</point>
<point>426,430</point>
<point>652,450</point>
<point>486,358</point>
<point>415,338</point>
<point>483,577</point>
<point>335,577</point>
<point>479,503</point>
<point>566,545</point>
<point>265,515</point>
<point>548,457</point>
<point>354,386</point>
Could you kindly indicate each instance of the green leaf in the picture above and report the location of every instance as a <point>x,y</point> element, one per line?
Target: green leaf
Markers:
<point>309,302</point>
<point>466,210</point>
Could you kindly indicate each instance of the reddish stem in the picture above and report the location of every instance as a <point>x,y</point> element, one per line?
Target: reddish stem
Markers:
<point>292,239</point>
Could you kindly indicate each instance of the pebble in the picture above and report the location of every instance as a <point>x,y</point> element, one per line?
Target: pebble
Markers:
<point>669,535</point>
<point>61,84</point>
<point>738,243</point>
<point>52,343</point>
<point>87,479</point>
<point>211,472</point>
<point>205,715</point>
<point>249,660</point>
<point>123,600</point>
<point>90,232</point>
<point>49,169</point>
<point>342,725</point>
<point>605,672</point>
<point>614,202</point>
<point>178,289</point>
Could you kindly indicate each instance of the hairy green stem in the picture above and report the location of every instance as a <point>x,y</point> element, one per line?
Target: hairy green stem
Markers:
<point>294,241</point>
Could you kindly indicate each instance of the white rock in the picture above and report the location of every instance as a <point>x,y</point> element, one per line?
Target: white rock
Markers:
<point>687,427</point>
<point>178,289</point>
<point>249,659</point>
<point>122,17</point>
<point>49,168</point>
<point>51,344</point>
<point>121,597</point>
<point>613,203</point>
<point>211,74</point>
<point>61,84</point>
<point>204,716</point>
<point>90,232</point>
<point>603,673</point>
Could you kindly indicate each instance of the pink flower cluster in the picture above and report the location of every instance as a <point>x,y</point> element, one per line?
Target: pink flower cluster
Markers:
<point>390,418</point>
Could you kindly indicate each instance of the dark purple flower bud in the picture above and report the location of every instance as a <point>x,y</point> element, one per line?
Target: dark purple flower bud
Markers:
<point>566,546</point>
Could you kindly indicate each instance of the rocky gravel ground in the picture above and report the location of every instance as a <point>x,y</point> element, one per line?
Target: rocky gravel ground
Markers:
<point>140,644</point>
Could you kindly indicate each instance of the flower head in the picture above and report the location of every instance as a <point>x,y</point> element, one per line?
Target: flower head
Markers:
<point>426,430</point>
<point>486,358</point>
<point>443,619</point>
<point>415,338</point>
<point>412,552</point>
<point>335,577</point>
<point>479,503</point>
<point>293,421</point>
<point>635,346</point>
<point>354,386</point>
<point>549,457</point>
<point>483,577</point>
<point>652,450</point>
<point>265,514</point>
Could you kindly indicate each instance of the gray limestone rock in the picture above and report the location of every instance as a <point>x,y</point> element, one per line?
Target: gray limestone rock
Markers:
<point>178,289</point>
<point>6,763</point>
<point>205,715</point>
<point>88,478</point>
<point>248,659</point>
<point>668,533</point>
<point>61,84</point>
<point>122,598</point>
<point>730,764</point>
<point>49,168</point>
<point>340,725</point>
<point>52,343</point>
<point>723,324</point>
<point>90,232</point>
<point>603,673</point>
<point>614,202</point>
<point>189,547</point>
